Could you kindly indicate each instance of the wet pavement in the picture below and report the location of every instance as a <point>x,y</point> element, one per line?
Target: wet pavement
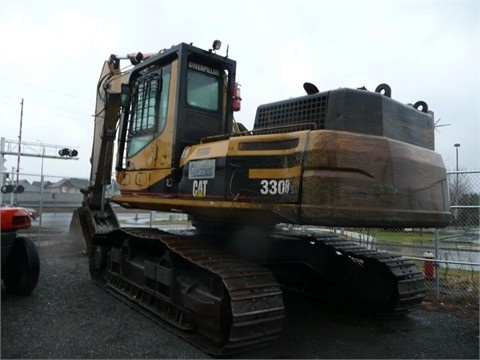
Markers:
<point>67,316</point>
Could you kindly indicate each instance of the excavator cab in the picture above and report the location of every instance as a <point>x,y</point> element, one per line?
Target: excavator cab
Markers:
<point>177,98</point>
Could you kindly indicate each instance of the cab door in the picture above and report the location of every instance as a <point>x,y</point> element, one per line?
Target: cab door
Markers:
<point>149,133</point>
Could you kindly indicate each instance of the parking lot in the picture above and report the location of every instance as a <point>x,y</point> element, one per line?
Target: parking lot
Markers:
<point>67,316</point>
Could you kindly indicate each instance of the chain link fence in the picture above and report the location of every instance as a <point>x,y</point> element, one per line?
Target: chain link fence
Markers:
<point>40,192</point>
<point>449,258</point>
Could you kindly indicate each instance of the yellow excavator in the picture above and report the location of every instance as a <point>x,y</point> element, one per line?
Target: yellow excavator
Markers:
<point>337,158</point>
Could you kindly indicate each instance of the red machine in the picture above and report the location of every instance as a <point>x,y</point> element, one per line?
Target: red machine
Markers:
<point>20,260</point>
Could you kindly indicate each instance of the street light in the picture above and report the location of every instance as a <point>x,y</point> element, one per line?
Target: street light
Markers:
<point>456,150</point>
<point>457,145</point>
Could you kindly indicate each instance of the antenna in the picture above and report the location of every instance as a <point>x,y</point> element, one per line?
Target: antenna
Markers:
<point>437,126</point>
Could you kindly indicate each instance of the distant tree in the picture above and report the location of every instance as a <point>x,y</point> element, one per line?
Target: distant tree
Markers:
<point>458,186</point>
<point>470,216</point>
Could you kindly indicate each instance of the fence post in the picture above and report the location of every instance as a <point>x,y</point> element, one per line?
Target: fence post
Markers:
<point>152,217</point>
<point>437,279</point>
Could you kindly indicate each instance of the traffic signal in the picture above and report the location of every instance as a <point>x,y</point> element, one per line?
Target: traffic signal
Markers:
<point>7,189</point>
<point>68,152</point>
<point>6,178</point>
<point>18,189</point>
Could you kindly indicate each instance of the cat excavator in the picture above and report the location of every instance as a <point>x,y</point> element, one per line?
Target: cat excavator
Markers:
<point>341,158</point>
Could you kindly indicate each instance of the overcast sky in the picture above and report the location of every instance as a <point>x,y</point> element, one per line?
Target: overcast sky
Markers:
<point>52,53</point>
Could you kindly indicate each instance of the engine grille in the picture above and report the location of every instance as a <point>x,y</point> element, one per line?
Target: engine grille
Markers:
<point>299,111</point>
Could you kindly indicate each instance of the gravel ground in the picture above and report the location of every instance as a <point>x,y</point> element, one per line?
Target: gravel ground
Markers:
<point>67,317</point>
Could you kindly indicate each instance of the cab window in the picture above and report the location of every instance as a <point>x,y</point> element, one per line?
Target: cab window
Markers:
<point>149,110</point>
<point>203,90</point>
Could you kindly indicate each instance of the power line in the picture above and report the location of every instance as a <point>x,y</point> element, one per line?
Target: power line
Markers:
<point>43,88</point>
<point>43,105</point>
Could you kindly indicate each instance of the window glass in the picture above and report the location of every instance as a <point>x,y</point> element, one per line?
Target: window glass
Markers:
<point>203,90</point>
<point>137,143</point>
<point>144,112</point>
<point>149,110</point>
<point>164,99</point>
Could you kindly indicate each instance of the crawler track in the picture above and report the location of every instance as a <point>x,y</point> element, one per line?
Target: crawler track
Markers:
<point>350,275</point>
<point>408,285</point>
<point>223,303</point>
<point>246,313</point>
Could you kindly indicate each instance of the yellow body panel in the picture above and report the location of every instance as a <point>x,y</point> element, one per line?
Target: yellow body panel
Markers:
<point>341,179</point>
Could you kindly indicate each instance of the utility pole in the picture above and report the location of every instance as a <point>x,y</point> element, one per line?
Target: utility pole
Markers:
<point>19,142</point>
<point>13,200</point>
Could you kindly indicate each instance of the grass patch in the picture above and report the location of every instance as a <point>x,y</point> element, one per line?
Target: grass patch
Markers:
<point>416,237</point>
<point>468,279</point>
<point>404,235</point>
